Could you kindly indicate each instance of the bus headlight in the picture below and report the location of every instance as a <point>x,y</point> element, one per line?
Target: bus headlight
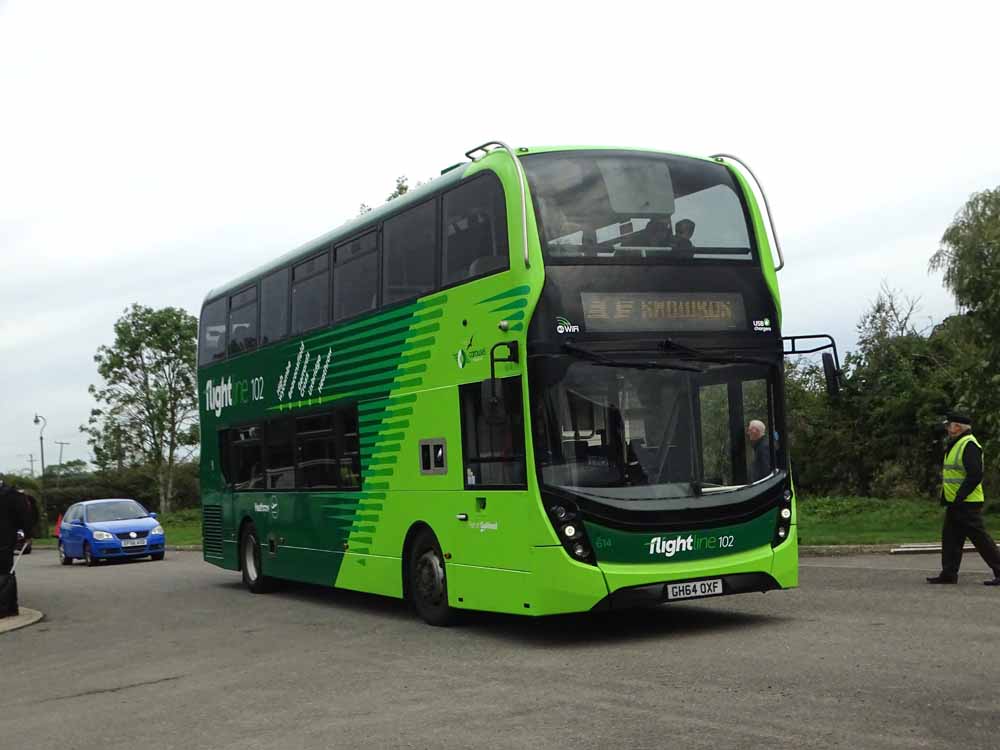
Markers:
<point>786,512</point>
<point>568,525</point>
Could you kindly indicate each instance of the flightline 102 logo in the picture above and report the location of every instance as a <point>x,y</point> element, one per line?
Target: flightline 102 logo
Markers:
<point>670,546</point>
<point>564,326</point>
<point>226,393</point>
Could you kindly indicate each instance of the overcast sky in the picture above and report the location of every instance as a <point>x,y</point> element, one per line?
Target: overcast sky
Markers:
<point>152,150</point>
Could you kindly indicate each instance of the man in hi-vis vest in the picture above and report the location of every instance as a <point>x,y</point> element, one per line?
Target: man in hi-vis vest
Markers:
<point>962,494</point>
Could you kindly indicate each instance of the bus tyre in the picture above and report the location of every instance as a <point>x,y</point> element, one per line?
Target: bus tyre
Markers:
<point>253,576</point>
<point>428,583</point>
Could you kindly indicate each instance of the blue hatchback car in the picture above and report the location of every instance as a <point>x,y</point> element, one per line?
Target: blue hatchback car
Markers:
<point>110,529</point>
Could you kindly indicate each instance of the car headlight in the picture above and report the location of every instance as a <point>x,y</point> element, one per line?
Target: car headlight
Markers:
<point>103,536</point>
<point>156,530</point>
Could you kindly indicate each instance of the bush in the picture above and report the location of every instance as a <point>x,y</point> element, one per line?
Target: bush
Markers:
<point>893,479</point>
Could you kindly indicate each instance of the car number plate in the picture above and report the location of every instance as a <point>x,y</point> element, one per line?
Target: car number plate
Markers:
<point>133,542</point>
<point>693,589</point>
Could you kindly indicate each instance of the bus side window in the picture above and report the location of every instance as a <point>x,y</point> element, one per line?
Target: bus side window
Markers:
<point>212,332</point>
<point>280,454</point>
<point>348,447</point>
<point>355,278</point>
<point>311,293</point>
<point>225,456</point>
<point>474,241</point>
<point>409,253</point>
<point>247,458</point>
<point>274,307</point>
<point>315,452</point>
<point>492,433</point>
<point>243,321</point>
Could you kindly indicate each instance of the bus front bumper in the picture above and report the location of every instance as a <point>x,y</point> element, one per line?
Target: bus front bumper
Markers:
<point>656,593</point>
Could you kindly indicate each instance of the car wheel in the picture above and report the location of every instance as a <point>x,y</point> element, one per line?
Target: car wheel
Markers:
<point>253,575</point>
<point>63,557</point>
<point>156,556</point>
<point>428,580</point>
<point>88,555</point>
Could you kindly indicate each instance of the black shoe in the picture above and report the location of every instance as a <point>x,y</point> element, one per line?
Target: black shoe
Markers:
<point>994,582</point>
<point>941,579</point>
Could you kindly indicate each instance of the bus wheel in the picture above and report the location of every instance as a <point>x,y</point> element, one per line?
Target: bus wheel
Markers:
<point>253,576</point>
<point>428,583</point>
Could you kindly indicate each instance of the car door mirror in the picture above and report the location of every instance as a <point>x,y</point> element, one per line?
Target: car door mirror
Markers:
<point>152,515</point>
<point>77,522</point>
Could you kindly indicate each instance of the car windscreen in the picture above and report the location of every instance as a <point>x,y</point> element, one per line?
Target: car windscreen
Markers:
<point>116,510</point>
<point>612,206</point>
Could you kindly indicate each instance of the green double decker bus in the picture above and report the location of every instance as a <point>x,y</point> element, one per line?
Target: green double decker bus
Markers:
<point>548,381</point>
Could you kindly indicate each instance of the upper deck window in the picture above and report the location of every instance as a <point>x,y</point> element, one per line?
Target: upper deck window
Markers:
<point>274,307</point>
<point>243,321</point>
<point>635,207</point>
<point>212,332</point>
<point>355,279</point>
<point>475,230</point>
<point>409,250</point>
<point>311,294</point>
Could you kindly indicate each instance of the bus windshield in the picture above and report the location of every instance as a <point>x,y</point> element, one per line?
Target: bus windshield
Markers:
<point>610,431</point>
<point>611,206</point>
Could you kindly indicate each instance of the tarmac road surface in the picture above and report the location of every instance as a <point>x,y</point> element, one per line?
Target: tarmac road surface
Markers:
<point>175,654</point>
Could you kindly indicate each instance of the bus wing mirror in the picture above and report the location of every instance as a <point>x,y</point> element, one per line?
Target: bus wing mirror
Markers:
<point>831,361</point>
<point>832,375</point>
<point>511,357</point>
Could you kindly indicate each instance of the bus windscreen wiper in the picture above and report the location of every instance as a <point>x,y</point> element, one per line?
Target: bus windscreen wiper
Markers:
<point>603,359</point>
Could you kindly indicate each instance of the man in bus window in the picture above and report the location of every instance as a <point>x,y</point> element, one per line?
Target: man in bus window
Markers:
<point>760,450</point>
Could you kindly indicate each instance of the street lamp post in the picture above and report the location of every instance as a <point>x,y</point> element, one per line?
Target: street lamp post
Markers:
<point>41,439</point>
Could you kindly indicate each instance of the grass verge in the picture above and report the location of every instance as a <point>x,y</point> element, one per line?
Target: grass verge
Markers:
<point>871,520</point>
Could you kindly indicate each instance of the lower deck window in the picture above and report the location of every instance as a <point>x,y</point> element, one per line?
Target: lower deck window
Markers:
<point>493,433</point>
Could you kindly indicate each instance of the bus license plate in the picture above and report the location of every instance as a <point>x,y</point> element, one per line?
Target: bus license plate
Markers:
<point>133,542</point>
<point>693,589</point>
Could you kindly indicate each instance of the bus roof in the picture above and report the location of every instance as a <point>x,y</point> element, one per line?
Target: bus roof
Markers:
<point>449,177</point>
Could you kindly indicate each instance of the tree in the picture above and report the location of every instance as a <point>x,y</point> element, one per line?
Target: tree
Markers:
<point>969,256</point>
<point>148,409</point>
<point>402,188</point>
<point>880,435</point>
<point>67,469</point>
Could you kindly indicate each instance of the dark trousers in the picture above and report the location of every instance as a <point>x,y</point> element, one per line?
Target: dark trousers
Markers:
<point>965,521</point>
<point>8,584</point>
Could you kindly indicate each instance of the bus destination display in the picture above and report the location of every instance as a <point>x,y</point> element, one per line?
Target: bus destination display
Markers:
<point>660,311</point>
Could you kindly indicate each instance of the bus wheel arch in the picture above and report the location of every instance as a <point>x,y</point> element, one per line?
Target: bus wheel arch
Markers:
<point>250,560</point>
<point>425,583</point>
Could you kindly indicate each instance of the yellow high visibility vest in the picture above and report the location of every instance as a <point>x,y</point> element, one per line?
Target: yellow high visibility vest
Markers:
<point>954,471</point>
